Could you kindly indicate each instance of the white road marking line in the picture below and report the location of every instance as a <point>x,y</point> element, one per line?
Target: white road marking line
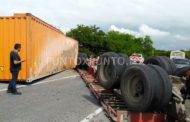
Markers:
<point>5,89</point>
<point>41,82</point>
<point>47,81</point>
<point>92,115</point>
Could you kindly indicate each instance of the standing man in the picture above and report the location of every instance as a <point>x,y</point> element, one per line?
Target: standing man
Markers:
<point>15,67</point>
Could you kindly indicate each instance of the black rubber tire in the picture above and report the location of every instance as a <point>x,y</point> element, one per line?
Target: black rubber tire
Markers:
<point>82,61</point>
<point>108,74</point>
<point>164,87</point>
<point>171,64</point>
<point>126,59</point>
<point>137,87</point>
<point>158,89</point>
<point>124,62</point>
<point>181,72</point>
<point>160,61</point>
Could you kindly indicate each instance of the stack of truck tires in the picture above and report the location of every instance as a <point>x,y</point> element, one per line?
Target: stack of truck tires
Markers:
<point>144,87</point>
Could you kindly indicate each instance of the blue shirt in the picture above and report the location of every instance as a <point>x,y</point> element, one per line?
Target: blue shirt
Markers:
<point>14,56</point>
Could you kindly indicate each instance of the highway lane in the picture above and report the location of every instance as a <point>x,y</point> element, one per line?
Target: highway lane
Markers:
<point>59,98</point>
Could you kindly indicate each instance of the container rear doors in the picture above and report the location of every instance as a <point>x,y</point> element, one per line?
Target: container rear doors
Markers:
<point>12,30</point>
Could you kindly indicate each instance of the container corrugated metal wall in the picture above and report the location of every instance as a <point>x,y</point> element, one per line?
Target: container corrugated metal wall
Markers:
<point>46,49</point>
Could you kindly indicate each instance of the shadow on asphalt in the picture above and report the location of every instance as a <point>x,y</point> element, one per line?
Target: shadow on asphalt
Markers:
<point>33,82</point>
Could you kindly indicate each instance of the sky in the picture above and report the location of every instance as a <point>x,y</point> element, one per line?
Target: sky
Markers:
<point>167,22</point>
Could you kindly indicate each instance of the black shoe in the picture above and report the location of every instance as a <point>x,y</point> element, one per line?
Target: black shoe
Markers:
<point>16,93</point>
<point>9,91</point>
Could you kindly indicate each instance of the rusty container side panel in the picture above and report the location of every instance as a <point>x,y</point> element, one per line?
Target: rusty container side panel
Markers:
<point>46,49</point>
<point>12,30</point>
<point>50,50</point>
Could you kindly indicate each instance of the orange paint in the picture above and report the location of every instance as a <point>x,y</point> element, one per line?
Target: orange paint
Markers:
<point>45,48</point>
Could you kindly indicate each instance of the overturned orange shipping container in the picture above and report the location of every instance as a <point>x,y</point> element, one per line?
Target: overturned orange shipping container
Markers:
<point>46,49</point>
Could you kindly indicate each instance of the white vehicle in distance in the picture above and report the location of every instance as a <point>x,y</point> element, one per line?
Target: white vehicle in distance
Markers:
<point>179,59</point>
<point>136,58</point>
<point>177,54</point>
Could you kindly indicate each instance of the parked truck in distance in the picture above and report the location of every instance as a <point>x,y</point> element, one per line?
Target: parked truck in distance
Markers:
<point>179,59</point>
<point>177,54</point>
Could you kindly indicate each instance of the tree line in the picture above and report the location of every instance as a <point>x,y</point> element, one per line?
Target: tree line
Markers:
<point>93,40</point>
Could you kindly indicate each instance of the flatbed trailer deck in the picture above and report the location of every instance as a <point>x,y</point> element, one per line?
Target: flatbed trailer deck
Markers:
<point>113,104</point>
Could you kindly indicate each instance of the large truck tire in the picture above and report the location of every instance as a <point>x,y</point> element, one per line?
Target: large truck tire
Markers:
<point>82,61</point>
<point>181,72</point>
<point>124,62</point>
<point>165,86</point>
<point>158,89</point>
<point>109,73</point>
<point>108,70</point>
<point>145,88</point>
<point>171,64</point>
<point>160,61</point>
<point>137,87</point>
<point>125,58</point>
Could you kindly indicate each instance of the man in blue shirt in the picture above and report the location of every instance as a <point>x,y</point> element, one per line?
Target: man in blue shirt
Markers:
<point>15,67</point>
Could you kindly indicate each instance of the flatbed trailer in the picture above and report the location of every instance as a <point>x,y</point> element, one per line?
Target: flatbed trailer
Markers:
<point>113,104</point>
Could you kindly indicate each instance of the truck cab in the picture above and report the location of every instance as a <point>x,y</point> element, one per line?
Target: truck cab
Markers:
<point>179,59</point>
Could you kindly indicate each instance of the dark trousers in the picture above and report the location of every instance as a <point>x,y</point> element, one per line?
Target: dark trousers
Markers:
<point>12,83</point>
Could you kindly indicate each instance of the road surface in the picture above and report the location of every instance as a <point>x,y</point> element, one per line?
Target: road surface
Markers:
<point>59,98</point>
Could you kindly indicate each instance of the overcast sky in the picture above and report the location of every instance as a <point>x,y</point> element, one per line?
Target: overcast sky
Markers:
<point>166,21</point>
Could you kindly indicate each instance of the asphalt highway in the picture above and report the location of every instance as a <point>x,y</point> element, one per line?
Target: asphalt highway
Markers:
<point>59,98</point>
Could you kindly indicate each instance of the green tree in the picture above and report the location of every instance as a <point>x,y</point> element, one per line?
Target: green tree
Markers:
<point>147,45</point>
<point>187,54</point>
<point>92,40</point>
<point>128,44</point>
